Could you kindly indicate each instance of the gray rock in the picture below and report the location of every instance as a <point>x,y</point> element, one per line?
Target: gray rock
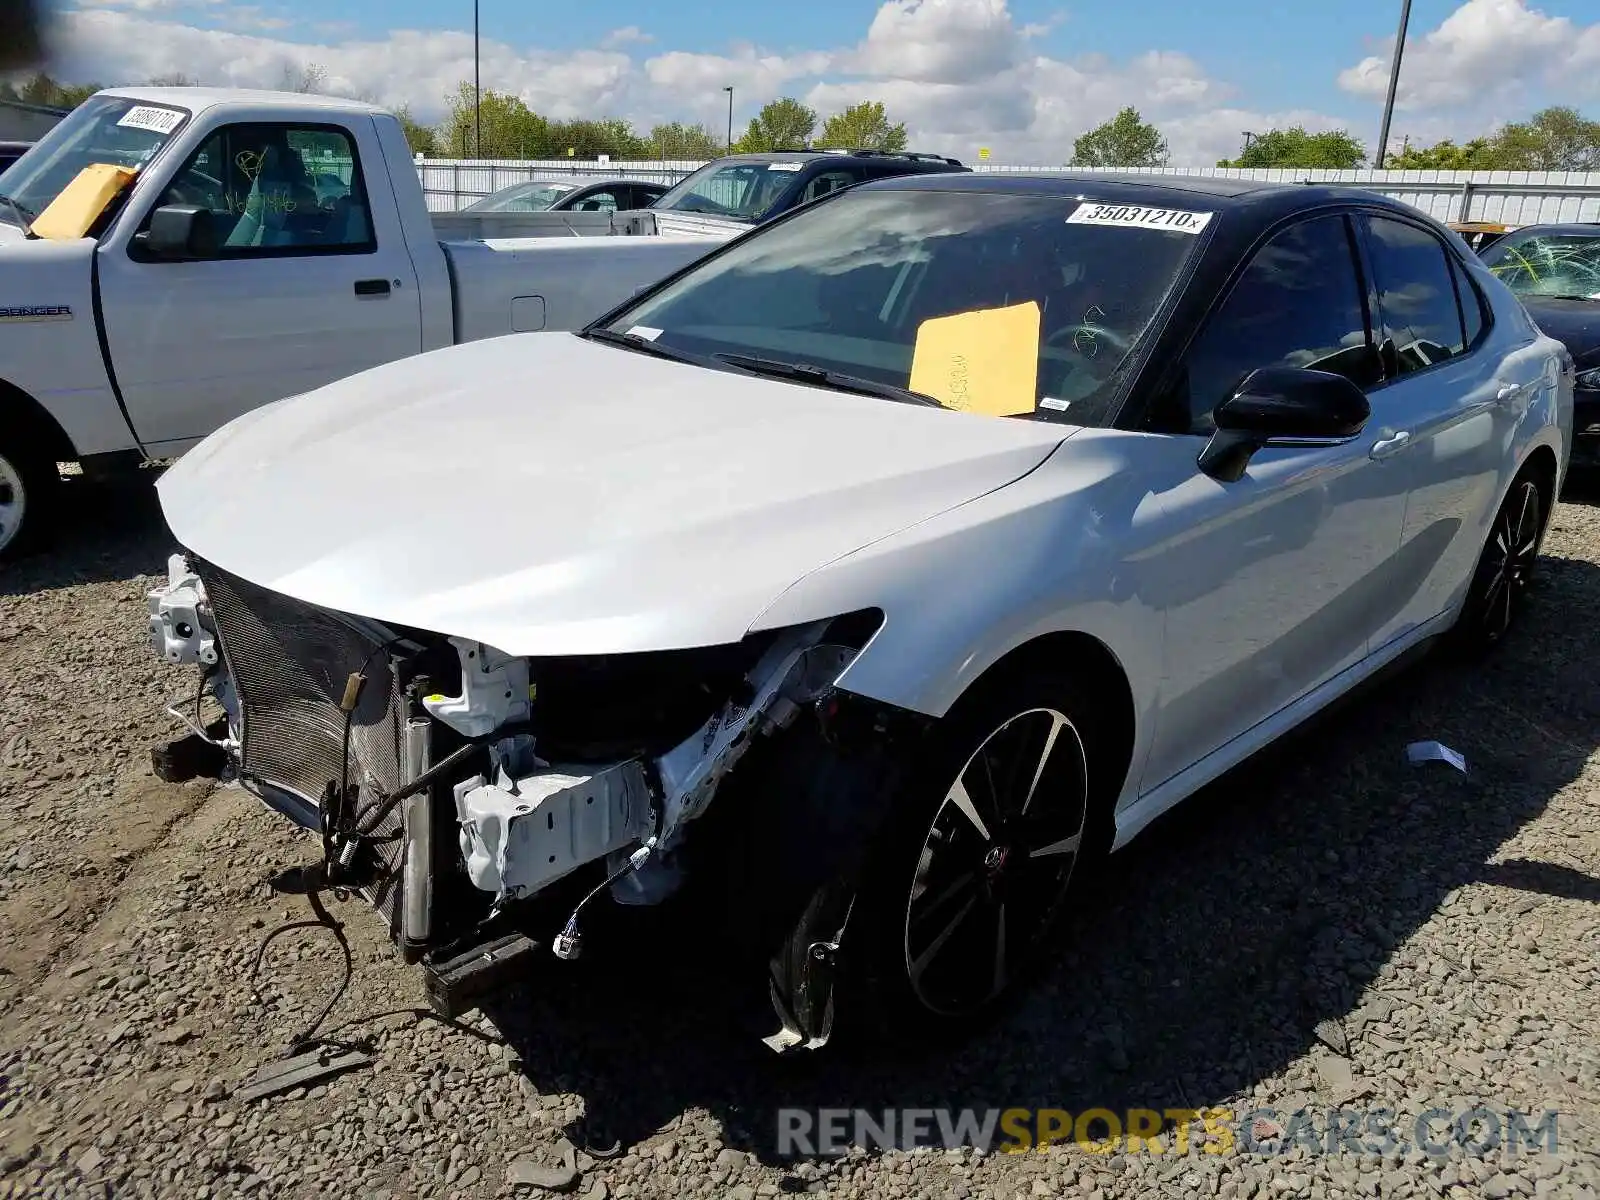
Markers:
<point>528,1173</point>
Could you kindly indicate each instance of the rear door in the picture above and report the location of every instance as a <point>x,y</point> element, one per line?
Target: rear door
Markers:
<point>1446,411</point>
<point>312,281</point>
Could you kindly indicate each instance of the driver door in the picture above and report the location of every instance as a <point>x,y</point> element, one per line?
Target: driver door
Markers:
<point>1272,584</point>
<point>311,283</point>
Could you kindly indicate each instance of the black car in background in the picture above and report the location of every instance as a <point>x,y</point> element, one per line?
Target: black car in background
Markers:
<point>11,151</point>
<point>1555,272</point>
<point>755,188</point>
<point>601,195</point>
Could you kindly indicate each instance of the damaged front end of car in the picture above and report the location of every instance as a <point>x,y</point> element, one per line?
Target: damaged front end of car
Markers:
<point>464,791</point>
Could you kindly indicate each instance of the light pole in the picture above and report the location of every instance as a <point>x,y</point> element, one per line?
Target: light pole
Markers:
<point>1394,81</point>
<point>1249,136</point>
<point>477,89</point>
<point>729,90</point>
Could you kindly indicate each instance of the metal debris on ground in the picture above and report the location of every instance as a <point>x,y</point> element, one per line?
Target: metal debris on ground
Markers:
<point>300,1071</point>
<point>1421,752</point>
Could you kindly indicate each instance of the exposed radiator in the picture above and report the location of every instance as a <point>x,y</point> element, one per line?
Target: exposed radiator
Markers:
<point>290,661</point>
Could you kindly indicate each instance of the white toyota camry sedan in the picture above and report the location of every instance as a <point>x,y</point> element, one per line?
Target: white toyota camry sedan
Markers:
<point>879,572</point>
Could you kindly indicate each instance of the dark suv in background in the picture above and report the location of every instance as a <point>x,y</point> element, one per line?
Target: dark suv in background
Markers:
<point>755,188</point>
<point>11,151</point>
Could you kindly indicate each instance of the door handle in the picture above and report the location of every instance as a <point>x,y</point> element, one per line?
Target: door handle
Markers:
<point>1508,393</point>
<point>1392,444</point>
<point>372,287</point>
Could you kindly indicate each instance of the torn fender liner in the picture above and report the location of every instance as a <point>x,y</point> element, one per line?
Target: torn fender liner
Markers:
<point>535,822</point>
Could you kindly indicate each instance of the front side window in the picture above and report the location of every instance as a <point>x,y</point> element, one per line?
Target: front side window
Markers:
<point>858,286</point>
<point>278,189</point>
<point>1416,295</point>
<point>1297,304</point>
<point>1548,264</point>
<point>828,181</point>
<point>103,129</point>
<point>602,201</point>
<point>743,191</point>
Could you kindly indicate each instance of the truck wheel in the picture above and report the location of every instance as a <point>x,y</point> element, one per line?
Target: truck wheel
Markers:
<point>29,489</point>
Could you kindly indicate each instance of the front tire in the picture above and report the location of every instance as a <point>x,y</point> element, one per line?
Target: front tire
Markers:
<point>1499,587</point>
<point>993,836</point>
<point>29,489</point>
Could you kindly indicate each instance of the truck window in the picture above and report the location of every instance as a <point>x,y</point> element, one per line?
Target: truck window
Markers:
<point>278,190</point>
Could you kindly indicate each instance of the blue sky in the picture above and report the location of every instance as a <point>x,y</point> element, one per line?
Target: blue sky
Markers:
<point>1023,76</point>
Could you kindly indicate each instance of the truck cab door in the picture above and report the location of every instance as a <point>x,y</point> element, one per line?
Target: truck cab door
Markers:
<point>310,281</point>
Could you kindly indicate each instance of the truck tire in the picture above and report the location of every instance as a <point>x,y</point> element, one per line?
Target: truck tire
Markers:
<point>29,491</point>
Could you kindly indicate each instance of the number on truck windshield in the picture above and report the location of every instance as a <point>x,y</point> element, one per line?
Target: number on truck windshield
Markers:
<point>103,129</point>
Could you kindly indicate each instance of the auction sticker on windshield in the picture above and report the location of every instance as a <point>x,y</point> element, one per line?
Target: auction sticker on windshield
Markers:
<point>157,120</point>
<point>1139,217</point>
<point>785,166</point>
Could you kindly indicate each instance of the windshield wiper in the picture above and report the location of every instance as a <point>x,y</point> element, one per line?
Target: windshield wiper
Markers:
<point>642,345</point>
<point>821,377</point>
<point>24,217</point>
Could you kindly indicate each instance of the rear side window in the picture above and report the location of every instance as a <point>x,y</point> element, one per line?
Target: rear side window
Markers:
<point>1298,304</point>
<point>1472,304</point>
<point>1421,321</point>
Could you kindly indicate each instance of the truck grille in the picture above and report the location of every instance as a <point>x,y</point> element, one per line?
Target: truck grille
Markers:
<point>290,661</point>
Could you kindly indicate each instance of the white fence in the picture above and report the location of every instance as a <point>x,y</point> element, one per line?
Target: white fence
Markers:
<point>1512,197</point>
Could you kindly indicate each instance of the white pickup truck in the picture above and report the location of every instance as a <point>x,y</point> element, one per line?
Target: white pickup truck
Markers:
<point>255,245</point>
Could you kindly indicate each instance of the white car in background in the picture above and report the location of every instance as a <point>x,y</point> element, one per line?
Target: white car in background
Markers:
<point>888,566</point>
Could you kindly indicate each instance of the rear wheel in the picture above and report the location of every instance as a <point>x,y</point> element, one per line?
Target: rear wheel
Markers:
<point>28,493</point>
<point>1505,569</point>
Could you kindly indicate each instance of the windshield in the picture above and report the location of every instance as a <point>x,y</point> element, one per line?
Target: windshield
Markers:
<point>857,285</point>
<point>524,198</point>
<point>103,129</point>
<point>1548,264</point>
<point>745,191</point>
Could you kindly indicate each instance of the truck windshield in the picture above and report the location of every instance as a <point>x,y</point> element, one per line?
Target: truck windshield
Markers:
<point>995,303</point>
<point>103,129</point>
<point>744,191</point>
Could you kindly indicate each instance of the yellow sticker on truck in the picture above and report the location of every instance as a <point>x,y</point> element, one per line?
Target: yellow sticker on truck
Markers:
<point>1138,216</point>
<point>984,361</point>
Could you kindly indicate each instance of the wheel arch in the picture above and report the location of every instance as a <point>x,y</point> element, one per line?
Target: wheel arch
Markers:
<point>1542,465</point>
<point>18,406</point>
<point>1090,660</point>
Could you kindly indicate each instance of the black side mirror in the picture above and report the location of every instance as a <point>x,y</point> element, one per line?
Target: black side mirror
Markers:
<point>180,232</point>
<point>1282,405</point>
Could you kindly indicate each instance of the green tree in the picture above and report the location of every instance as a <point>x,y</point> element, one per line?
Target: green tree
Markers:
<point>783,124</point>
<point>1126,140</point>
<point>863,126</point>
<point>1294,147</point>
<point>590,139</point>
<point>684,142</point>
<point>419,137</point>
<point>1553,139</point>
<point>1479,154</point>
<point>47,92</point>
<point>510,128</point>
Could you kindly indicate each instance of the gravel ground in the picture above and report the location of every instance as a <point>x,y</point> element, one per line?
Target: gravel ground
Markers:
<point>1329,926</point>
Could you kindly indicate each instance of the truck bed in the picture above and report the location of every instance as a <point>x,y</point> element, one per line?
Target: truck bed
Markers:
<point>527,284</point>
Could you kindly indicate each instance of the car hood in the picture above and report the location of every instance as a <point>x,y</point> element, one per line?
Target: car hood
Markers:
<point>1574,323</point>
<point>548,495</point>
<point>11,235</point>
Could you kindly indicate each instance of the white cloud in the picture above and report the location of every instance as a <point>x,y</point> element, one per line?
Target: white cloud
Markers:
<point>1484,54</point>
<point>626,35</point>
<point>961,73</point>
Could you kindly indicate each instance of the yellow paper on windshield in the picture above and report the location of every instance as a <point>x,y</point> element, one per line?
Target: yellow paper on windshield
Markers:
<point>984,361</point>
<point>71,214</point>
